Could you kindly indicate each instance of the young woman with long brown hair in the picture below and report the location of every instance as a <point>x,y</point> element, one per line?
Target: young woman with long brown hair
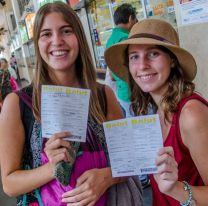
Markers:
<point>63,58</point>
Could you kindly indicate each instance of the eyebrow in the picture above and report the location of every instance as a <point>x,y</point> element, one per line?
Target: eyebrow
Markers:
<point>62,27</point>
<point>133,52</point>
<point>150,48</point>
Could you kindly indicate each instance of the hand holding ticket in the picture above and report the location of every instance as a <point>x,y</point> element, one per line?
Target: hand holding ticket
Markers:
<point>64,109</point>
<point>133,144</point>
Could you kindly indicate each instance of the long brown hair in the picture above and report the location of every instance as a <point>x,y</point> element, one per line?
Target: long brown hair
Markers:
<point>178,88</point>
<point>85,71</point>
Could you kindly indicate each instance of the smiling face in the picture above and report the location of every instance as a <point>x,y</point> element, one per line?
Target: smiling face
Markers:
<point>57,43</point>
<point>3,64</point>
<point>149,67</point>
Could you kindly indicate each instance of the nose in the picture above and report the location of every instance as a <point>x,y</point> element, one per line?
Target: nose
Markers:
<point>57,39</point>
<point>143,63</point>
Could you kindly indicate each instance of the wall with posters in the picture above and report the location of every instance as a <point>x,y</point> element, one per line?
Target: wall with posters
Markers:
<point>162,9</point>
<point>192,18</point>
<point>29,21</point>
<point>100,16</point>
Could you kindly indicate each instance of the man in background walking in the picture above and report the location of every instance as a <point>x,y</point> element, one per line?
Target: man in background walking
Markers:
<point>124,18</point>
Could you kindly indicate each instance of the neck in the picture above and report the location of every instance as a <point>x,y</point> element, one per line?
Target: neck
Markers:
<point>159,94</point>
<point>123,26</point>
<point>63,78</point>
<point>157,99</point>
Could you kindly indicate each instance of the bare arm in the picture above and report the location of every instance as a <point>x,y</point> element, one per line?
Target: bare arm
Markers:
<point>194,132</point>
<point>12,138</point>
<point>113,108</point>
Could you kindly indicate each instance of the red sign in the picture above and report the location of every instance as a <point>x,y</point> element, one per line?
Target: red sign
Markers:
<point>73,2</point>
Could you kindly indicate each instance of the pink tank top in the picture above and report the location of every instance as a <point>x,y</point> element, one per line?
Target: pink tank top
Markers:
<point>186,167</point>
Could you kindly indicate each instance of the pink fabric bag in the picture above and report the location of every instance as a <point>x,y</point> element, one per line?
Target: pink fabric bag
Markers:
<point>52,191</point>
<point>13,84</point>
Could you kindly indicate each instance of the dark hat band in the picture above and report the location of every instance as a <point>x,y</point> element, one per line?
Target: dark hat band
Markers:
<point>151,36</point>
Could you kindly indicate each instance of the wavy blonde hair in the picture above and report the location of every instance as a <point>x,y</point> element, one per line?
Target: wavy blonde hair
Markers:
<point>85,70</point>
<point>178,88</point>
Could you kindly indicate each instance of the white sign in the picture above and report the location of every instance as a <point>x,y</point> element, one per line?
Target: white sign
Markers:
<point>133,144</point>
<point>193,11</point>
<point>64,109</point>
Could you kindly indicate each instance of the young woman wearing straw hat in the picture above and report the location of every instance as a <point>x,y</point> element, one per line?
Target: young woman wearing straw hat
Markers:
<point>160,73</point>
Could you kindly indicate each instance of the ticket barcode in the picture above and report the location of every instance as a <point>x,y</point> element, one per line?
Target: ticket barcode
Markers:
<point>75,137</point>
<point>148,170</point>
<point>125,171</point>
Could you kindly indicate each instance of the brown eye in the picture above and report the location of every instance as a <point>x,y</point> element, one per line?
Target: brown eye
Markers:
<point>67,30</point>
<point>45,34</point>
<point>133,57</point>
<point>153,54</point>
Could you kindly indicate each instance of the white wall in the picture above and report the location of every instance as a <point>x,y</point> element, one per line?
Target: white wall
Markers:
<point>194,38</point>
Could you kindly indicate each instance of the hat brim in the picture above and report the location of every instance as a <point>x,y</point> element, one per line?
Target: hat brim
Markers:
<point>115,57</point>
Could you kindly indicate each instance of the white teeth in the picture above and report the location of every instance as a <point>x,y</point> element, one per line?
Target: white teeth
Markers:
<point>58,53</point>
<point>146,77</point>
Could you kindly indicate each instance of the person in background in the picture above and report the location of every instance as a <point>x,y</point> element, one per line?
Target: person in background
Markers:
<point>13,64</point>
<point>5,86</point>
<point>63,58</point>
<point>161,73</point>
<point>5,66</point>
<point>13,61</point>
<point>124,18</point>
<point>13,75</point>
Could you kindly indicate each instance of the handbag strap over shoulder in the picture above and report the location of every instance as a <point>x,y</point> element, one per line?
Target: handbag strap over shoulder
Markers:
<point>25,98</point>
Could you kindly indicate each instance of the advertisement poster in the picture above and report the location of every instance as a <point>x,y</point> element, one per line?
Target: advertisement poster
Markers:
<point>163,9</point>
<point>23,33</point>
<point>193,11</point>
<point>158,8</point>
<point>29,21</point>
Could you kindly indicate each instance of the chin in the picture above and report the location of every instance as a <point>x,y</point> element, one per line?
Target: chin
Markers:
<point>148,89</point>
<point>59,67</point>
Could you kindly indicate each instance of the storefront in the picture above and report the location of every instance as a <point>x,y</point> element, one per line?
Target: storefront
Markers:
<point>29,46</point>
<point>100,18</point>
<point>97,19</point>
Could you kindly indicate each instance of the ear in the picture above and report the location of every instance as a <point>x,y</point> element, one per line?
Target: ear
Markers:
<point>130,18</point>
<point>172,65</point>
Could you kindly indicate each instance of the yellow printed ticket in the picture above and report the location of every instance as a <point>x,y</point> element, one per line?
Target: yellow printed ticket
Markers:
<point>64,109</point>
<point>133,144</point>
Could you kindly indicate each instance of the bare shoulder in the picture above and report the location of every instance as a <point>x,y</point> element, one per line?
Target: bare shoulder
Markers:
<point>11,105</point>
<point>193,112</point>
<point>10,118</point>
<point>113,108</point>
<point>193,119</point>
<point>11,127</point>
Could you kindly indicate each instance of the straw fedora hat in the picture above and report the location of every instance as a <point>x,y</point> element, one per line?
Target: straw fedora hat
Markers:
<point>150,32</point>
